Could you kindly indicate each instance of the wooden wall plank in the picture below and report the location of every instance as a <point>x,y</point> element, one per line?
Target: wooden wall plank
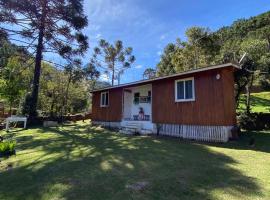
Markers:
<point>213,105</point>
<point>113,112</point>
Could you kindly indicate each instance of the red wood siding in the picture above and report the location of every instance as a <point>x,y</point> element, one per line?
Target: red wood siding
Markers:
<point>213,105</point>
<point>113,112</point>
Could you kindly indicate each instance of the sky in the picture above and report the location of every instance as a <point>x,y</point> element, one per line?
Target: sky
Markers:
<point>149,25</point>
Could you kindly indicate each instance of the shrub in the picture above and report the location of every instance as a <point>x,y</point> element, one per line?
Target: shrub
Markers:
<point>254,121</point>
<point>7,148</point>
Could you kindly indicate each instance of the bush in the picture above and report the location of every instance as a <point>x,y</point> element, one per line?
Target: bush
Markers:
<point>254,121</point>
<point>7,148</point>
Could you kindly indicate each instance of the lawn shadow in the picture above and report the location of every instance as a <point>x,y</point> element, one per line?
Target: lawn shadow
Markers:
<point>81,162</point>
<point>260,142</point>
<point>255,101</point>
<point>258,101</point>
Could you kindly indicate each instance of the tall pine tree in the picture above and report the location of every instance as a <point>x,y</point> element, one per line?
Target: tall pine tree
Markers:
<point>45,26</point>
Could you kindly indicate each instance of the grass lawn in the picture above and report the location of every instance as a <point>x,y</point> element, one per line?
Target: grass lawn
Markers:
<point>81,162</point>
<point>260,102</point>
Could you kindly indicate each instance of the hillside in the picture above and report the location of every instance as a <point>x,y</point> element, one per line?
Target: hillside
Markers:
<point>260,102</point>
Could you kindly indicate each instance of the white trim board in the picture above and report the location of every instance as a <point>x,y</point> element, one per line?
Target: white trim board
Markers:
<point>193,90</point>
<point>101,94</point>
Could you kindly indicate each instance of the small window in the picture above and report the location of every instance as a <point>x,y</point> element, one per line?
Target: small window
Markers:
<point>136,98</point>
<point>149,96</point>
<point>184,90</point>
<point>104,100</point>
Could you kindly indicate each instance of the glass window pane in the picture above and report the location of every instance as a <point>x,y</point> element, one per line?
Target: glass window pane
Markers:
<point>102,99</point>
<point>180,90</point>
<point>188,88</point>
<point>107,99</point>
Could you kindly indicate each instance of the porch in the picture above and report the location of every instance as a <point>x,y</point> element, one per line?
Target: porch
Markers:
<point>137,109</point>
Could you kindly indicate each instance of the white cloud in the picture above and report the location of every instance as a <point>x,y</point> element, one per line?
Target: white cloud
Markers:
<point>138,66</point>
<point>98,36</point>
<point>110,10</point>
<point>163,36</point>
<point>104,77</point>
<point>94,27</point>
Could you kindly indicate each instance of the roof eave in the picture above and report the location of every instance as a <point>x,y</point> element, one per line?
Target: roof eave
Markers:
<point>170,76</point>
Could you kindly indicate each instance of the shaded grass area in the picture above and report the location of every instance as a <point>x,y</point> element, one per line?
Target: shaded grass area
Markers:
<point>82,162</point>
<point>260,102</point>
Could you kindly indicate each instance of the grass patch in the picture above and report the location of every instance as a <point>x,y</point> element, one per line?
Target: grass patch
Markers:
<point>81,162</point>
<point>260,102</point>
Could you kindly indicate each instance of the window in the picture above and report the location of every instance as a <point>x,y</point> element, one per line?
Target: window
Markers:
<point>136,98</point>
<point>149,96</point>
<point>104,100</point>
<point>184,90</point>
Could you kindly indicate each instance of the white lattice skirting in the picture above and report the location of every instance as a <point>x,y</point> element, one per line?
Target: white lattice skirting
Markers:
<point>202,133</point>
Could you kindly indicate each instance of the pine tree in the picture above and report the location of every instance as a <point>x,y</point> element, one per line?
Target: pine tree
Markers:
<point>113,58</point>
<point>45,26</point>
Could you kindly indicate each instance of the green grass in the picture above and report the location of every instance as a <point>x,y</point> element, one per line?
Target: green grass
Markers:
<point>81,162</point>
<point>260,102</point>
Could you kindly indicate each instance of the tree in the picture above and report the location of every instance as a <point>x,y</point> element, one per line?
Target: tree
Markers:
<point>199,50</point>
<point>45,26</point>
<point>91,75</point>
<point>12,82</point>
<point>149,73</point>
<point>74,74</point>
<point>114,59</point>
<point>165,66</point>
<point>254,48</point>
<point>54,100</point>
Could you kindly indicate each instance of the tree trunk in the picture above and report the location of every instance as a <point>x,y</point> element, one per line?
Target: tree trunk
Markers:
<point>237,95</point>
<point>248,87</point>
<point>113,73</point>
<point>52,104</point>
<point>112,77</point>
<point>38,59</point>
<point>238,91</point>
<point>51,109</point>
<point>66,96</point>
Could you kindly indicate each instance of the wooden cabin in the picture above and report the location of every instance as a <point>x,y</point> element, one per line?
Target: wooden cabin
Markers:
<point>197,104</point>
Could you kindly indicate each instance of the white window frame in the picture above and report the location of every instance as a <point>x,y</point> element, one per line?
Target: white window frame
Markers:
<point>193,89</point>
<point>101,94</point>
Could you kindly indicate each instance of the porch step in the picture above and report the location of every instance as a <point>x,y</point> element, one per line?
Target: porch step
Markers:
<point>127,132</point>
<point>131,128</point>
<point>146,132</point>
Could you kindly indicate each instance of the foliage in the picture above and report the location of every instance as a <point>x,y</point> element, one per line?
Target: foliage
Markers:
<point>55,100</point>
<point>7,148</point>
<point>45,27</point>
<point>13,84</point>
<point>254,121</point>
<point>166,66</point>
<point>264,81</point>
<point>178,169</point>
<point>149,73</point>
<point>113,58</point>
<point>92,75</point>
<point>228,44</point>
<point>15,88</point>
